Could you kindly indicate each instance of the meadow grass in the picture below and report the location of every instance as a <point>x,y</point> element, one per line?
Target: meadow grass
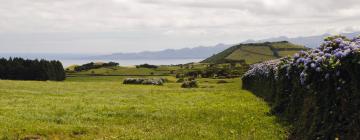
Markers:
<point>104,108</point>
<point>250,57</point>
<point>265,50</point>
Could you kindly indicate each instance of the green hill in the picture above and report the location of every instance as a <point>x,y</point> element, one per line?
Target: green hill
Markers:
<point>255,52</point>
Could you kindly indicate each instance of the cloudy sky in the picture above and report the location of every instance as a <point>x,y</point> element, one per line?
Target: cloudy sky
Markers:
<point>107,26</point>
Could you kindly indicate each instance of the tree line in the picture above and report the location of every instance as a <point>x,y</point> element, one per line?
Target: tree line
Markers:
<point>25,69</point>
<point>147,66</point>
<point>93,65</point>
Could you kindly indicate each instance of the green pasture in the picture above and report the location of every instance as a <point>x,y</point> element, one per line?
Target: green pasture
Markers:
<point>101,107</point>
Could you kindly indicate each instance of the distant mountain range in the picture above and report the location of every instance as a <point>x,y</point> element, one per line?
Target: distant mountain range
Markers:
<point>185,53</point>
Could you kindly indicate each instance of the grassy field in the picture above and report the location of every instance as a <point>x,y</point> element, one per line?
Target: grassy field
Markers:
<point>262,50</point>
<point>252,54</point>
<point>255,52</point>
<point>104,108</point>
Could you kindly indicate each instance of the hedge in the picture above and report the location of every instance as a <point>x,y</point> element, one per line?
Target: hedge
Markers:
<point>318,91</point>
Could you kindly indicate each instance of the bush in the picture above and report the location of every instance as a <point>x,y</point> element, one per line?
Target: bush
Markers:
<point>318,90</point>
<point>93,65</point>
<point>190,84</point>
<point>144,81</point>
<point>147,66</point>
<point>193,73</point>
<point>152,82</point>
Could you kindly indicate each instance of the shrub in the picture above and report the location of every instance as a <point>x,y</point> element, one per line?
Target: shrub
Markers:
<point>317,90</point>
<point>190,84</point>
<point>147,66</point>
<point>152,82</point>
<point>93,65</point>
<point>144,81</point>
<point>193,73</point>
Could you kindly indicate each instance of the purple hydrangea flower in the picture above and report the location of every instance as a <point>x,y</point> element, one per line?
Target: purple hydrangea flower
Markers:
<point>338,40</point>
<point>296,56</point>
<point>339,54</point>
<point>313,65</point>
<point>319,59</point>
<point>300,60</point>
<point>307,60</point>
<point>327,55</point>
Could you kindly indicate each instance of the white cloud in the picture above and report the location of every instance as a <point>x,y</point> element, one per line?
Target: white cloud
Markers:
<point>178,22</point>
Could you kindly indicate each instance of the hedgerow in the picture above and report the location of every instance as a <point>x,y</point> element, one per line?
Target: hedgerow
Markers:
<point>317,90</point>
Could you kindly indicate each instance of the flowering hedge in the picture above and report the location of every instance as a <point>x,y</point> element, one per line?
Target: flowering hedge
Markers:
<point>317,90</point>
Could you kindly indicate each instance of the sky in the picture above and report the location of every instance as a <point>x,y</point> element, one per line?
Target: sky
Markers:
<point>111,26</point>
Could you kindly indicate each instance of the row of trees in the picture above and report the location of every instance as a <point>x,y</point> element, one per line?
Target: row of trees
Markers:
<point>93,65</point>
<point>25,69</point>
<point>147,66</point>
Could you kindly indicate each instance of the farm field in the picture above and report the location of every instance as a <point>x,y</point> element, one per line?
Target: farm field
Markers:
<point>255,52</point>
<point>101,107</point>
<point>252,54</point>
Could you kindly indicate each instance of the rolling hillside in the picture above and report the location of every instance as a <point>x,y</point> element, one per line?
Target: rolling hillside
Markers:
<point>255,52</point>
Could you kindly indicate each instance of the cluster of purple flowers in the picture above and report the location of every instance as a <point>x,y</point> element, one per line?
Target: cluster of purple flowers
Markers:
<point>263,69</point>
<point>326,58</point>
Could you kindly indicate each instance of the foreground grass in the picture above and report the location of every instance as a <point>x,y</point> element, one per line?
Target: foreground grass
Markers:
<point>105,109</point>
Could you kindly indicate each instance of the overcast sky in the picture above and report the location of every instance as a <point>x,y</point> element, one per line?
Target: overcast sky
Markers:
<point>108,26</point>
